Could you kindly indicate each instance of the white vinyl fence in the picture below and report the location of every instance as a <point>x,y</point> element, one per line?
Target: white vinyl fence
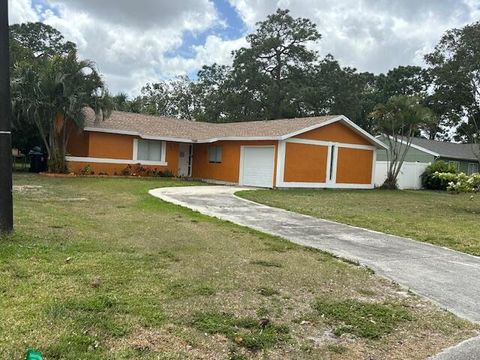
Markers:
<point>409,177</point>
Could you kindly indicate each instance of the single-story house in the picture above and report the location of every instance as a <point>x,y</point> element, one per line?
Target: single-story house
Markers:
<point>313,152</point>
<point>422,153</point>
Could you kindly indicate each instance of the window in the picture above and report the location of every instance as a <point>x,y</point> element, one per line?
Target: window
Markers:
<point>150,150</point>
<point>455,163</point>
<point>215,154</point>
<point>472,168</point>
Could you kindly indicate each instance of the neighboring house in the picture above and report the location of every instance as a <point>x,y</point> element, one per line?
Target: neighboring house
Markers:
<point>422,153</point>
<point>315,152</point>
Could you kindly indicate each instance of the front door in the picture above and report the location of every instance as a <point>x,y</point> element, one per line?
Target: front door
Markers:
<point>185,160</point>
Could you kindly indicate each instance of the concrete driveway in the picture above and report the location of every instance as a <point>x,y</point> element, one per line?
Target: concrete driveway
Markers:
<point>449,278</point>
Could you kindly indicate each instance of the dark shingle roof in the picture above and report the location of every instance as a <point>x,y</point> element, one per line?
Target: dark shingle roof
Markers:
<point>448,149</point>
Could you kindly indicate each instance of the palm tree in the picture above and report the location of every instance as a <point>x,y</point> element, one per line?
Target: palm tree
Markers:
<point>53,94</point>
<point>399,120</point>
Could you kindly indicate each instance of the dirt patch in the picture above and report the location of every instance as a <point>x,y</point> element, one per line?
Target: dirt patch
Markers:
<point>22,189</point>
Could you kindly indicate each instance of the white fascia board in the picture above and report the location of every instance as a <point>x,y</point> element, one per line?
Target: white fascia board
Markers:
<point>347,121</point>
<point>433,153</point>
<point>135,133</point>
<point>238,138</point>
<point>312,185</point>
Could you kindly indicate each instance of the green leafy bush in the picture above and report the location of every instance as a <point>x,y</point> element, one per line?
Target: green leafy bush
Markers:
<point>86,170</point>
<point>460,182</point>
<point>432,182</point>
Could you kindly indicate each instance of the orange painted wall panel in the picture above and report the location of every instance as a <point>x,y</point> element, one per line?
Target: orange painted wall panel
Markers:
<point>354,166</point>
<point>113,146</point>
<point>305,163</point>
<point>229,169</point>
<point>336,132</point>
<point>78,143</point>
<point>110,146</point>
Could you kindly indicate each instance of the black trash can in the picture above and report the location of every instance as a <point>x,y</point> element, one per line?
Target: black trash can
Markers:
<point>38,160</point>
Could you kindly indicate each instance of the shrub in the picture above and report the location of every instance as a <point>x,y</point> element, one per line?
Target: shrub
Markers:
<point>166,173</point>
<point>460,182</point>
<point>86,170</point>
<point>127,171</point>
<point>432,182</point>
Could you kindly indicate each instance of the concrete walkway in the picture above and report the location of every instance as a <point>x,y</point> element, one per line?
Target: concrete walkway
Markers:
<point>449,278</point>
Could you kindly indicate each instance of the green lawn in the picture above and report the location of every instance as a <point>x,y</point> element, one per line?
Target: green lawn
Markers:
<point>98,269</point>
<point>440,218</point>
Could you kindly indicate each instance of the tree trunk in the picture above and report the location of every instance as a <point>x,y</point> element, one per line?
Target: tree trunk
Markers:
<point>57,162</point>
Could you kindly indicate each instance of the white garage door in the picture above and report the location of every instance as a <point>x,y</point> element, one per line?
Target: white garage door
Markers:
<point>257,166</point>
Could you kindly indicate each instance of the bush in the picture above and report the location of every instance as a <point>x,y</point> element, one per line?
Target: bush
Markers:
<point>432,182</point>
<point>86,170</point>
<point>460,182</point>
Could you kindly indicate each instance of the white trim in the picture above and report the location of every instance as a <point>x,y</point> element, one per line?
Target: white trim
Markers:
<point>136,133</point>
<point>374,166</point>
<point>328,165</point>
<point>418,147</point>
<point>2,132</point>
<point>334,163</point>
<point>135,153</point>
<point>281,153</point>
<point>135,148</point>
<point>114,161</point>
<point>242,161</point>
<point>312,185</point>
<point>330,143</point>
<point>332,160</point>
<point>347,121</point>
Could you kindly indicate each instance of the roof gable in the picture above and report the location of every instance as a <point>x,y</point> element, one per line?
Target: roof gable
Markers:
<point>171,129</point>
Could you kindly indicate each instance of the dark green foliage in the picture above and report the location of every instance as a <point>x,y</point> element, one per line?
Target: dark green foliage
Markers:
<point>367,320</point>
<point>431,182</point>
<point>455,71</point>
<point>246,332</point>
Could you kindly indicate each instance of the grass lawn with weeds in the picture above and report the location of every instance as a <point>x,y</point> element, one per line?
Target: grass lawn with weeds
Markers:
<point>440,218</point>
<point>99,269</point>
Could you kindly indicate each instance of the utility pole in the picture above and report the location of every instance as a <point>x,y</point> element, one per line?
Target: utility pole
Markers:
<point>6,202</point>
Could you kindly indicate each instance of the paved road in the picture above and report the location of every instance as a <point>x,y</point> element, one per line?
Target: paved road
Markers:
<point>449,278</point>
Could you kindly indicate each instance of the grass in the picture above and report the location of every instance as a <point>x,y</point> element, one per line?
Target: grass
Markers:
<point>98,269</point>
<point>363,319</point>
<point>246,332</point>
<point>439,218</point>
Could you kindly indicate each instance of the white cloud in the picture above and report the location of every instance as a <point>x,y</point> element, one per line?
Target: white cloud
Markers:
<point>134,42</point>
<point>372,35</point>
<point>131,43</point>
<point>21,11</point>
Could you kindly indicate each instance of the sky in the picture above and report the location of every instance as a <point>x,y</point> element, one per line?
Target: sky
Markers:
<point>140,41</point>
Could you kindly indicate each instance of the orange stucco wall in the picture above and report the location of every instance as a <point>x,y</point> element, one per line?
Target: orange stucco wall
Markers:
<point>336,132</point>
<point>305,163</point>
<point>308,163</point>
<point>354,166</point>
<point>78,142</point>
<point>112,146</point>
<point>229,169</point>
